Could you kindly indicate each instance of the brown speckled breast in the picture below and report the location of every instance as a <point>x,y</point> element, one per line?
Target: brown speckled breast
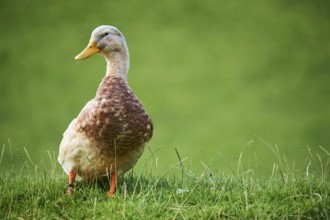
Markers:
<point>116,118</point>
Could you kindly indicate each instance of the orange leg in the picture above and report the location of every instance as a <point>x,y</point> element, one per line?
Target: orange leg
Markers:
<point>112,190</point>
<point>72,177</point>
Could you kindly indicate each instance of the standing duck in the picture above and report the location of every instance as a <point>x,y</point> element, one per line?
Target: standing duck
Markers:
<point>108,136</point>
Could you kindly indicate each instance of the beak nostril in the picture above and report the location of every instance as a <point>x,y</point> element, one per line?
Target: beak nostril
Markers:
<point>90,47</point>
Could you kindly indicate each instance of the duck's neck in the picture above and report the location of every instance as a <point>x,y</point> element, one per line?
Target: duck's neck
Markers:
<point>118,64</point>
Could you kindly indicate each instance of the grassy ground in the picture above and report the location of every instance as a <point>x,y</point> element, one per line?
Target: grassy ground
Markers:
<point>34,193</point>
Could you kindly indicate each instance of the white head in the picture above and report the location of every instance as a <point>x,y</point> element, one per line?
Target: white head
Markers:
<point>110,42</point>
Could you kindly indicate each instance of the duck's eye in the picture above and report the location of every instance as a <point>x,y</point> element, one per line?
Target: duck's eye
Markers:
<point>105,34</point>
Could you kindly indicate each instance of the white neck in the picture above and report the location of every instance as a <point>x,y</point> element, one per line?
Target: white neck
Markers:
<point>117,64</point>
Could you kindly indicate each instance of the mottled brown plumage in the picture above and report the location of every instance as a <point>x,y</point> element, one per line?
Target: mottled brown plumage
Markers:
<point>110,133</point>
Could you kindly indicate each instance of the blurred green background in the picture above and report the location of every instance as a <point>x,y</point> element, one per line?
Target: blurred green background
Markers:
<point>215,75</point>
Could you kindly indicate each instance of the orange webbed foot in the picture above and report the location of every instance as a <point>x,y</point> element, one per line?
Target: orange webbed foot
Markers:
<point>113,183</point>
<point>110,194</point>
<point>70,188</point>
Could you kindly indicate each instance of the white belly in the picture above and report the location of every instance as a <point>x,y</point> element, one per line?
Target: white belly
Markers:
<point>82,155</point>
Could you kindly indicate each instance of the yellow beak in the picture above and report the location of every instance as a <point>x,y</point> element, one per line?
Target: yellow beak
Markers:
<point>88,51</point>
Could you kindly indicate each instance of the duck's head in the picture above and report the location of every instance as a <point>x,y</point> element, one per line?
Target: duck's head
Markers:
<point>106,40</point>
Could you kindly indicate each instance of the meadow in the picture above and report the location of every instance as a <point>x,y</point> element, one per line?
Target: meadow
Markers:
<point>217,77</point>
<point>33,192</point>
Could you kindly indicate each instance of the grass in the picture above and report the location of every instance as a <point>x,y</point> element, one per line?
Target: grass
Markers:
<point>34,193</point>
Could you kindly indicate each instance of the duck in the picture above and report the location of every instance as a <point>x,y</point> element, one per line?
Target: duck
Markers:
<point>110,133</point>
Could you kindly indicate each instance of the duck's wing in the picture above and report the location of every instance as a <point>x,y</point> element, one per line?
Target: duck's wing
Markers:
<point>115,118</point>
